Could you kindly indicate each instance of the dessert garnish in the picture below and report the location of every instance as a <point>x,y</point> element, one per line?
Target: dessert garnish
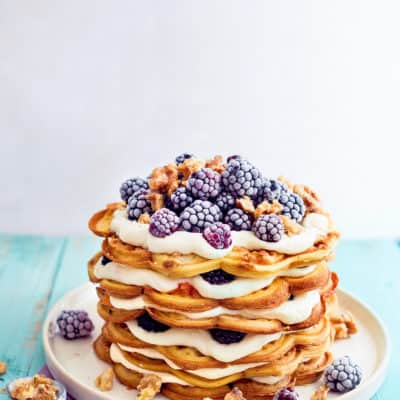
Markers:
<point>148,387</point>
<point>74,324</point>
<point>105,381</point>
<point>182,157</point>
<point>218,235</point>
<point>321,393</point>
<point>3,368</point>
<point>238,220</point>
<point>199,215</point>
<point>218,277</point>
<point>224,336</point>
<point>38,387</point>
<point>204,184</point>
<point>163,223</point>
<point>234,394</point>
<point>130,186</point>
<point>269,228</point>
<point>286,394</point>
<point>225,201</point>
<point>151,325</point>
<point>139,204</point>
<point>180,199</point>
<point>342,375</point>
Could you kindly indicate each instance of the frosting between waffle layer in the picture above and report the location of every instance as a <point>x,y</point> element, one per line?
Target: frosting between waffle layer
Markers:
<point>238,287</point>
<point>314,225</point>
<point>290,312</point>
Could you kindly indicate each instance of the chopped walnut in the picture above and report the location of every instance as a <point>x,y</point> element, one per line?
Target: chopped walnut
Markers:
<point>148,387</point>
<point>321,393</point>
<point>105,381</point>
<point>144,218</point>
<point>286,181</point>
<point>39,388</point>
<point>216,164</point>
<point>164,179</point>
<point>246,204</point>
<point>344,325</point>
<point>234,394</point>
<point>291,227</point>
<point>156,200</point>
<point>188,167</point>
<point>268,208</point>
<point>310,198</point>
<point>3,367</point>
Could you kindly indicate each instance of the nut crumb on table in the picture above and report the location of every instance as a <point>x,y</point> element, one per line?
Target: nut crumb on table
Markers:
<point>105,381</point>
<point>3,367</point>
<point>148,387</point>
<point>321,393</point>
<point>38,388</point>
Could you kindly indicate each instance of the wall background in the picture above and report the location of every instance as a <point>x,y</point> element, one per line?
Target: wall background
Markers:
<point>93,92</point>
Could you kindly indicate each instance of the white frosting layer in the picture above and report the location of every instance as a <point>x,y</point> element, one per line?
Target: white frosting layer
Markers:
<point>238,287</point>
<point>314,227</point>
<point>202,341</point>
<point>290,312</point>
<point>269,380</point>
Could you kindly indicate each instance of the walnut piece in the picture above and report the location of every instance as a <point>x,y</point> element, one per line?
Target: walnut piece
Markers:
<point>144,218</point>
<point>156,200</point>
<point>234,394</point>
<point>216,164</point>
<point>105,381</point>
<point>291,227</point>
<point>188,167</point>
<point>164,179</point>
<point>246,204</point>
<point>310,198</point>
<point>344,325</point>
<point>148,387</point>
<point>268,208</point>
<point>39,388</point>
<point>321,393</point>
<point>3,367</point>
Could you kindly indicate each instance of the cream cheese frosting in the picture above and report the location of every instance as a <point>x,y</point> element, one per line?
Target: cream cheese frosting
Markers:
<point>314,226</point>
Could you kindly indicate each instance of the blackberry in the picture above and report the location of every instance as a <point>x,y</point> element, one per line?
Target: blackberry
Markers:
<point>225,201</point>
<point>286,394</point>
<point>233,157</point>
<point>342,375</point>
<point>218,235</point>
<point>151,325</point>
<point>204,184</point>
<point>293,206</point>
<point>180,199</point>
<point>218,277</point>
<point>269,228</point>
<point>270,190</point>
<point>105,260</point>
<point>74,324</point>
<point>182,157</point>
<point>238,220</point>
<point>199,215</point>
<point>131,186</point>
<point>163,223</point>
<point>224,336</point>
<point>241,178</point>
<point>138,204</point>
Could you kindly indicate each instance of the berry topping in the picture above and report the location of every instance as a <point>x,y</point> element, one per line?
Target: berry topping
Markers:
<point>74,324</point>
<point>233,157</point>
<point>204,184</point>
<point>293,206</point>
<point>224,336</point>
<point>218,277</point>
<point>138,204</point>
<point>105,260</point>
<point>286,394</point>
<point>199,215</point>
<point>269,228</point>
<point>151,325</point>
<point>238,220</point>
<point>225,201</point>
<point>163,223</point>
<point>182,157</point>
<point>241,178</point>
<point>131,186</point>
<point>342,375</point>
<point>218,235</point>
<point>270,190</point>
<point>180,199</point>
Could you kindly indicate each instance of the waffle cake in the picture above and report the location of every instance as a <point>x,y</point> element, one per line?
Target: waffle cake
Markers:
<point>211,276</point>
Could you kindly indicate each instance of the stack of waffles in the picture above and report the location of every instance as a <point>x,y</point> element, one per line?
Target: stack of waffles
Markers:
<point>253,311</point>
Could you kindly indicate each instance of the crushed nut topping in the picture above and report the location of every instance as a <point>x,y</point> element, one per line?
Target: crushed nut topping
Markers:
<point>291,227</point>
<point>321,393</point>
<point>156,200</point>
<point>310,198</point>
<point>148,387</point>
<point>246,204</point>
<point>344,325</point>
<point>105,381</point>
<point>3,367</point>
<point>216,164</point>
<point>188,167</point>
<point>286,181</point>
<point>39,388</point>
<point>234,394</point>
<point>164,179</point>
<point>144,218</point>
<point>268,208</point>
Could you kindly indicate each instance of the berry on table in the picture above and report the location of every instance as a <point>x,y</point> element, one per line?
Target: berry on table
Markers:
<point>182,157</point>
<point>342,375</point>
<point>163,223</point>
<point>286,394</point>
<point>269,228</point>
<point>180,199</point>
<point>204,184</point>
<point>218,277</point>
<point>138,204</point>
<point>225,201</point>
<point>238,220</point>
<point>74,324</point>
<point>224,336</point>
<point>151,325</point>
<point>293,206</point>
<point>218,235</point>
<point>270,190</point>
<point>131,186</point>
<point>199,215</point>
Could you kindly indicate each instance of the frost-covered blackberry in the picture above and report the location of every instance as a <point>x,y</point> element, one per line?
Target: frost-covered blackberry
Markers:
<point>180,199</point>
<point>342,375</point>
<point>238,220</point>
<point>146,322</point>
<point>218,235</point>
<point>269,228</point>
<point>163,223</point>
<point>199,215</point>
<point>131,186</point>
<point>270,190</point>
<point>293,206</point>
<point>224,336</point>
<point>204,184</point>
<point>218,277</point>
<point>138,204</point>
<point>225,201</point>
<point>74,324</point>
<point>182,157</point>
<point>286,394</point>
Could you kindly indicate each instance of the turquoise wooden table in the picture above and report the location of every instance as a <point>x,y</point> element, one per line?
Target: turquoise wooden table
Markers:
<point>36,271</point>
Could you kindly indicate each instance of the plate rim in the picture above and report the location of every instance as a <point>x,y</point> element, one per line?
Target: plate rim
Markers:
<point>376,378</point>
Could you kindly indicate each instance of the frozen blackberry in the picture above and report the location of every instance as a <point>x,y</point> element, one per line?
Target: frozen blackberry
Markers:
<point>180,199</point>
<point>182,157</point>
<point>238,220</point>
<point>204,184</point>
<point>269,228</point>
<point>225,201</point>
<point>293,206</point>
<point>241,178</point>
<point>270,190</point>
<point>342,375</point>
<point>218,277</point>
<point>224,336</point>
<point>218,235</point>
<point>151,325</point>
<point>233,157</point>
<point>163,223</point>
<point>74,324</point>
<point>131,186</point>
<point>138,204</point>
<point>199,215</point>
<point>105,260</point>
<point>286,394</point>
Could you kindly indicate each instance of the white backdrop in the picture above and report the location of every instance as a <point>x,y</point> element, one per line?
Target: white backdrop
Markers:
<point>93,92</point>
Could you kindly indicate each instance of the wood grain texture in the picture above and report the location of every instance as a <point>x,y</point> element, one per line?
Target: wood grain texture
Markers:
<point>36,271</point>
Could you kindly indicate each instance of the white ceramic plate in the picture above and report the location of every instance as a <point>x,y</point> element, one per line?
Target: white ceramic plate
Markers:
<point>74,364</point>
